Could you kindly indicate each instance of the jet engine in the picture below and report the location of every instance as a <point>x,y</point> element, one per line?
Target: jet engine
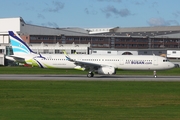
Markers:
<point>106,70</point>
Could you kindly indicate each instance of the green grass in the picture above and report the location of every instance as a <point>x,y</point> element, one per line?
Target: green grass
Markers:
<point>80,100</point>
<point>36,70</point>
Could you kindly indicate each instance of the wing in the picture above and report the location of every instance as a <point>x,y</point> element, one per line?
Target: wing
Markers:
<point>87,65</point>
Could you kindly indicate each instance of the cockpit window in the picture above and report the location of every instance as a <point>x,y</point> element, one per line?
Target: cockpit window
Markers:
<point>165,60</point>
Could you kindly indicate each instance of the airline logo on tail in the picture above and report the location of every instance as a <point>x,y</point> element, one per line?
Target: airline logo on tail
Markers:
<point>18,45</point>
<point>22,51</point>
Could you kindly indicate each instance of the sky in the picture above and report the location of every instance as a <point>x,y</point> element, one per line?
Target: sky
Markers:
<point>94,13</point>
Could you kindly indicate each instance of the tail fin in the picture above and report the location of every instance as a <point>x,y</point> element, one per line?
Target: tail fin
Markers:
<point>18,45</point>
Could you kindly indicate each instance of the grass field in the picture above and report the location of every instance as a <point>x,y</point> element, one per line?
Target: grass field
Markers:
<point>62,100</point>
<point>36,70</point>
<point>92,100</point>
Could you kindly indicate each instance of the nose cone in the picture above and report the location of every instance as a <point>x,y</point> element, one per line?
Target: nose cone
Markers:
<point>171,65</point>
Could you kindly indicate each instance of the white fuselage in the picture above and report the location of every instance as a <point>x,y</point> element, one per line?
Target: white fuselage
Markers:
<point>126,62</point>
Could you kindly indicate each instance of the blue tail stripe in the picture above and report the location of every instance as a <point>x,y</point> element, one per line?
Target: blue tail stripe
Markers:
<point>17,46</point>
<point>19,49</point>
<point>11,33</point>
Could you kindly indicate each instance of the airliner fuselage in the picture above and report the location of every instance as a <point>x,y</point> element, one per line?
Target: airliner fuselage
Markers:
<point>127,62</point>
<point>101,64</point>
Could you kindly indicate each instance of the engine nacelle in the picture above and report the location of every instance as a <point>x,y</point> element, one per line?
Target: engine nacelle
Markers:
<point>106,70</point>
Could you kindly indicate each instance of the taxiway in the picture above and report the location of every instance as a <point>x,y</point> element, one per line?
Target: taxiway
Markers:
<point>84,78</point>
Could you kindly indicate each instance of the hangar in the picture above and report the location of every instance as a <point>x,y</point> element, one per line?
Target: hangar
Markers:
<point>115,40</point>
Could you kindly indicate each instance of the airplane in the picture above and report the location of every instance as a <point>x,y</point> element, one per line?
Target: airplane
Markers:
<point>100,64</point>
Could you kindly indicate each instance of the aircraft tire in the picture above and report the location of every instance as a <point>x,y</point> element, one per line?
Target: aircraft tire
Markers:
<point>90,75</point>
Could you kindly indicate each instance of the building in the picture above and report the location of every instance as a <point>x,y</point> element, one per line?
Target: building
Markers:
<point>116,40</point>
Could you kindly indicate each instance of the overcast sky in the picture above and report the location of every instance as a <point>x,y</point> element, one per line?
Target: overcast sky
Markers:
<point>94,13</point>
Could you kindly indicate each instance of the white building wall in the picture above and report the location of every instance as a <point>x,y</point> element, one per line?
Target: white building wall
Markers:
<point>173,53</point>
<point>112,52</point>
<point>1,59</point>
<point>103,52</point>
<point>2,52</point>
<point>51,48</point>
<point>133,52</point>
<point>7,24</point>
<point>1,39</point>
<point>4,39</point>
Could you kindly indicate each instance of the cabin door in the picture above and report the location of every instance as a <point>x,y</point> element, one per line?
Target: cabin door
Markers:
<point>155,61</point>
<point>121,61</point>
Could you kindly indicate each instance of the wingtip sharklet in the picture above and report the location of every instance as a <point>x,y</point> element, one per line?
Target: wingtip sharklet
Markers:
<point>67,57</point>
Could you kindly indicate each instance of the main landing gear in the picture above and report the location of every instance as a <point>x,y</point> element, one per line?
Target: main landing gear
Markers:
<point>155,75</point>
<point>90,74</point>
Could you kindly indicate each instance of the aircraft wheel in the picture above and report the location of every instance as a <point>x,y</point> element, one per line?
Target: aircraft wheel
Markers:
<point>90,75</point>
<point>155,75</point>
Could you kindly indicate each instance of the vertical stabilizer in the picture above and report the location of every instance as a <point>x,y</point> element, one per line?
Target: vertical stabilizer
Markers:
<point>18,45</point>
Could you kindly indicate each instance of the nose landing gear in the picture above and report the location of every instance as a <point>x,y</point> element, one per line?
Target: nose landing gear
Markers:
<point>90,74</point>
<point>155,75</point>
